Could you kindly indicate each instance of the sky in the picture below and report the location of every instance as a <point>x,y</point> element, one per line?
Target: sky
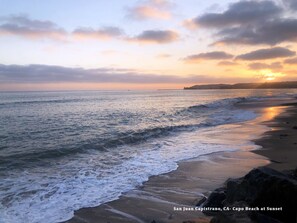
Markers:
<point>145,44</point>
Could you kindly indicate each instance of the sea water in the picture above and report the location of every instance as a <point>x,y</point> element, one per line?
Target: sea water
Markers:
<point>61,151</point>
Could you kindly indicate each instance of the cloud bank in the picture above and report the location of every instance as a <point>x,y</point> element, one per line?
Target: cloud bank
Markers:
<point>57,74</point>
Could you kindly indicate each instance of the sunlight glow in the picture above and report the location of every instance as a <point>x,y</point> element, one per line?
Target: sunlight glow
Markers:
<point>269,75</point>
<point>271,112</point>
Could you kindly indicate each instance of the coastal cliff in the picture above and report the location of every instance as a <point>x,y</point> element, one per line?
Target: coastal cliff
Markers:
<point>266,85</point>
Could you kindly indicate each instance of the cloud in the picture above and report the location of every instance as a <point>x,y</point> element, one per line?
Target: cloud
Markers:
<point>156,36</point>
<point>267,32</point>
<point>215,55</point>
<point>291,61</point>
<point>189,24</point>
<point>239,13</point>
<point>160,3</point>
<point>227,63</point>
<point>265,54</point>
<point>291,4</point>
<point>34,74</point>
<point>263,66</point>
<point>23,26</point>
<point>36,29</point>
<point>107,32</point>
<point>152,9</point>
<point>251,22</point>
<point>148,12</point>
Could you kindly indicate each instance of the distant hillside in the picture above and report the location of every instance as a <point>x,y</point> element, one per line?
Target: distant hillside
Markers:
<point>267,85</point>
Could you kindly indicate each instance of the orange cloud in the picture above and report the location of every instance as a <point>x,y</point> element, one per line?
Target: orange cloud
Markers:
<point>291,61</point>
<point>227,63</point>
<point>190,24</point>
<point>151,9</point>
<point>264,66</point>
<point>148,12</point>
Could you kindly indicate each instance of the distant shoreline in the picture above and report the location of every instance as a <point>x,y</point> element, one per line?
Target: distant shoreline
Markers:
<point>266,85</point>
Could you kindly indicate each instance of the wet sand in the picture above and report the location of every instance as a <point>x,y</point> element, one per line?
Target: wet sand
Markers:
<point>164,197</point>
<point>159,197</point>
<point>280,143</point>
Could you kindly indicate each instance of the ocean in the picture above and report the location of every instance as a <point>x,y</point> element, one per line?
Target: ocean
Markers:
<point>61,151</point>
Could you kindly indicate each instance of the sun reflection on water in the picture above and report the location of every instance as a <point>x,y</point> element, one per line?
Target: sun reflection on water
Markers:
<point>271,112</point>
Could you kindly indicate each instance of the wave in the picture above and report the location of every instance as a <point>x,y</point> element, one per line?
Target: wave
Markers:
<point>215,113</point>
<point>223,103</point>
<point>126,138</point>
<point>83,182</point>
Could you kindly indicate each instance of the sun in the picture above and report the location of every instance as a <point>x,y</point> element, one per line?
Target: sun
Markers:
<point>270,78</point>
<point>268,75</point>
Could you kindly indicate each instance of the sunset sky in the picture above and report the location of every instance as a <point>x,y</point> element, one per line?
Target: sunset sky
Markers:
<point>145,44</point>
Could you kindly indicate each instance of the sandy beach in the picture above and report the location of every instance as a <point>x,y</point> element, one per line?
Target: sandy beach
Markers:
<point>280,143</point>
<point>172,197</point>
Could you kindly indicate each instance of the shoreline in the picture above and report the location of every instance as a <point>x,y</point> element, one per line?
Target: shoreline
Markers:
<point>266,194</point>
<point>280,143</point>
<point>163,194</point>
<point>193,180</point>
